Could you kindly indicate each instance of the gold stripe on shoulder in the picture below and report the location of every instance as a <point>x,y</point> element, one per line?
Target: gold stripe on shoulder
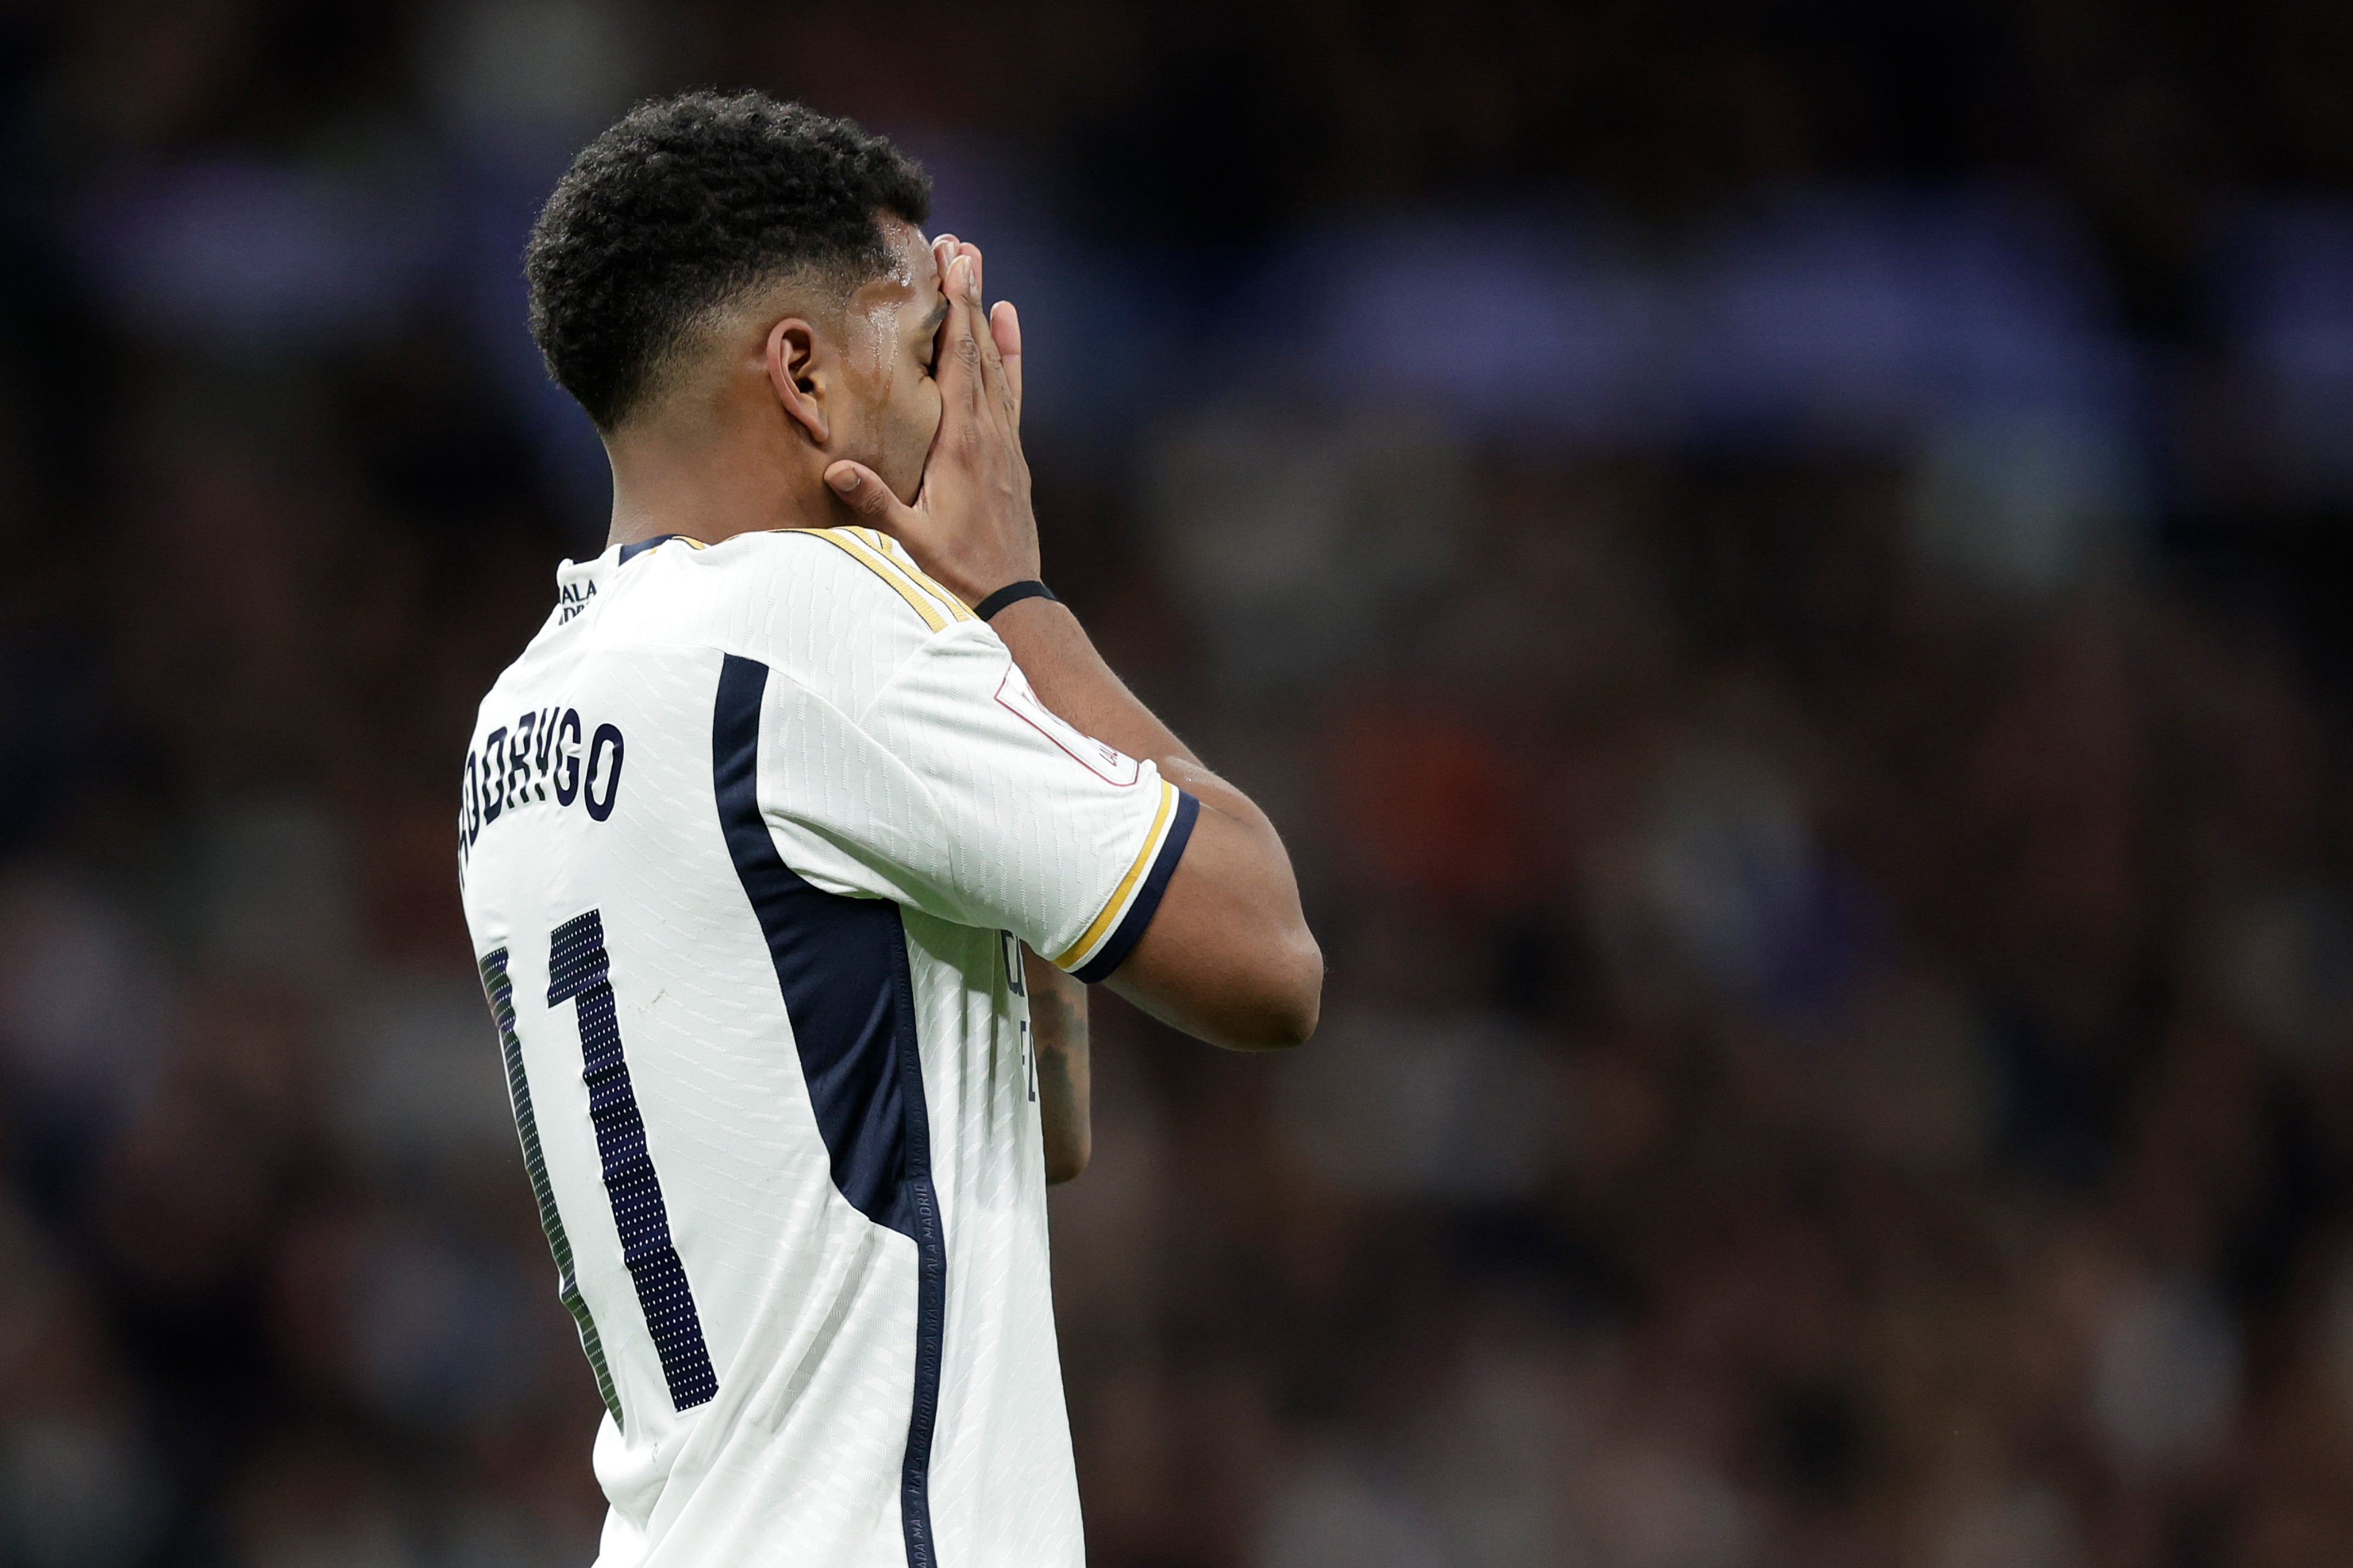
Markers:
<point>843,540</point>
<point>877,561</point>
<point>897,555</point>
<point>1095,934</point>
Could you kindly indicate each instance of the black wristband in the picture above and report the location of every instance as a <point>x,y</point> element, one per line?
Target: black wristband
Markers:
<point>1011,594</point>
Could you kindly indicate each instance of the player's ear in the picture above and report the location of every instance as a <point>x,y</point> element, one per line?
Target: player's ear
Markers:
<point>797,378</point>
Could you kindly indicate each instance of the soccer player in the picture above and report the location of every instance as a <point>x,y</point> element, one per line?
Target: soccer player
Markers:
<point>806,807</point>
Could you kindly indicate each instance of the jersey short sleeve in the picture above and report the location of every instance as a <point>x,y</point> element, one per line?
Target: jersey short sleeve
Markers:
<point>957,792</point>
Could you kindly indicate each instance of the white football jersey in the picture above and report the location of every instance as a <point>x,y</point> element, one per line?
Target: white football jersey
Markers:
<point>749,833</point>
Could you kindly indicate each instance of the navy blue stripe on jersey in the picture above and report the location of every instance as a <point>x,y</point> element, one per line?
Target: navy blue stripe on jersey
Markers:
<point>1114,952</point>
<point>842,965</point>
<point>835,964</point>
<point>579,972</point>
<point>501,991</point>
<point>631,552</point>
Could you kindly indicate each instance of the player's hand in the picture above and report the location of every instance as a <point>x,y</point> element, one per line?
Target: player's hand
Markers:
<point>971,526</point>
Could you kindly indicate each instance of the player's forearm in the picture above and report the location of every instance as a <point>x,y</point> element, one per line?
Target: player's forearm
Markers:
<point>1229,957</point>
<point>1069,677</point>
<point>1058,1025</point>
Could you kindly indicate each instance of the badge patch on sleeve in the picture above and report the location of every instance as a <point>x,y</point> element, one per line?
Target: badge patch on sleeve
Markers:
<point>1109,763</point>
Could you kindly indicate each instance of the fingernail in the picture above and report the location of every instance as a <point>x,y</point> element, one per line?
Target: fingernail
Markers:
<point>845,480</point>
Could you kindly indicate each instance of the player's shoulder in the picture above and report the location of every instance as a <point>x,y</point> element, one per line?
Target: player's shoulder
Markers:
<point>839,610</point>
<point>854,572</point>
<point>870,556</point>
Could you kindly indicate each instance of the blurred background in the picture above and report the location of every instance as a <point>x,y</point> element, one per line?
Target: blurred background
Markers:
<point>1783,568</point>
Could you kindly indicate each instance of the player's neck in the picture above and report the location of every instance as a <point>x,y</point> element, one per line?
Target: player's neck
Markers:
<point>708,493</point>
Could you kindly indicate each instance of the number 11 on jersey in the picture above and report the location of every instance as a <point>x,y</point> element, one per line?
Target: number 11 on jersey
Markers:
<point>579,971</point>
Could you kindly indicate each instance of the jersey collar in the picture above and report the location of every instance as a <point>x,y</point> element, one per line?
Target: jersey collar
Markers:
<point>631,552</point>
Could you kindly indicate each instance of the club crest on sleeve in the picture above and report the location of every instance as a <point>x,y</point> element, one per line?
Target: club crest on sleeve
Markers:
<point>1109,763</point>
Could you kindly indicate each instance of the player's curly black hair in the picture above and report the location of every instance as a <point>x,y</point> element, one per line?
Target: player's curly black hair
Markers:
<point>685,202</point>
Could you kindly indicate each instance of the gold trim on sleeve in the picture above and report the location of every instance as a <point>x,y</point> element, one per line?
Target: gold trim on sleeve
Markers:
<point>1095,934</point>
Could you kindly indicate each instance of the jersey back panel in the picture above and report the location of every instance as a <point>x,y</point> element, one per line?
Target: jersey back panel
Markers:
<point>751,834</point>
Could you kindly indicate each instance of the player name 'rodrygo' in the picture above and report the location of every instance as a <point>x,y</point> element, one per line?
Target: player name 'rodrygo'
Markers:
<point>540,758</point>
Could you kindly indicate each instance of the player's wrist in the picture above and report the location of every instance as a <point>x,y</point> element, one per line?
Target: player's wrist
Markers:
<point>974,580</point>
<point>989,605</point>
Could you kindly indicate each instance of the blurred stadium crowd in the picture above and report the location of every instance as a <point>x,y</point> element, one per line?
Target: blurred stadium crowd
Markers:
<point>1783,568</point>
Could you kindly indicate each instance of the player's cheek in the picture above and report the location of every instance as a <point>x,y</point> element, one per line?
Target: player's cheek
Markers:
<point>914,421</point>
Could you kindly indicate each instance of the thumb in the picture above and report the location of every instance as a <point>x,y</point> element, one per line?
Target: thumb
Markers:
<point>862,492</point>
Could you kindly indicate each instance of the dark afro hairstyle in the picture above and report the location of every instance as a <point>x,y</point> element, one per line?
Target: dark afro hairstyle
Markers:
<point>685,203</point>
